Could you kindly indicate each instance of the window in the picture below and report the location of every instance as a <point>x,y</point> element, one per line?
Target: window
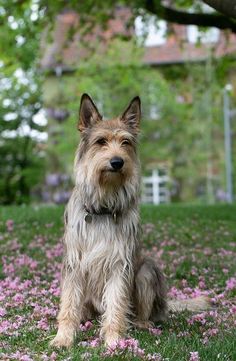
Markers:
<point>151,31</point>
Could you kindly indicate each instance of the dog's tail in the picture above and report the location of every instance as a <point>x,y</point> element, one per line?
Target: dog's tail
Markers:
<point>201,303</point>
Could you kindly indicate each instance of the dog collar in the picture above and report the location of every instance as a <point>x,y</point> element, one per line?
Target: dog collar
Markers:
<point>101,212</point>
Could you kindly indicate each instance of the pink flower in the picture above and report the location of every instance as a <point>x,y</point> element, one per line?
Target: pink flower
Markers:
<point>87,326</point>
<point>18,298</point>
<point>14,245</point>
<point>19,356</point>
<point>122,343</point>
<point>231,283</point>
<point>129,344</point>
<point>25,358</point>
<point>139,352</point>
<point>112,347</point>
<point>213,313</point>
<point>4,326</point>
<point>194,356</point>
<point>194,271</point>
<point>10,225</point>
<point>53,356</point>
<point>132,343</point>
<point>175,293</point>
<point>95,342</point>
<point>201,284</point>
<point>2,312</point>
<point>155,331</point>
<point>55,251</point>
<point>233,309</point>
<point>43,324</point>
<point>199,317</point>
<point>213,331</point>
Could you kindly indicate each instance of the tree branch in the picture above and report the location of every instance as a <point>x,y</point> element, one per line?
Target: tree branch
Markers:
<point>180,17</point>
<point>226,7</point>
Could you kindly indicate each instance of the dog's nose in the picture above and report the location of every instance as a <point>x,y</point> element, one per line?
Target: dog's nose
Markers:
<point>117,163</point>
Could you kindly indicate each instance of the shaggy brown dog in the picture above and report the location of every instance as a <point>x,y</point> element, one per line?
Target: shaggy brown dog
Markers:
<point>103,271</point>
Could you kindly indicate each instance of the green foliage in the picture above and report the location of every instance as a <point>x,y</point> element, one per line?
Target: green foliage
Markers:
<point>22,159</point>
<point>21,166</point>
<point>21,26</point>
<point>181,126</point>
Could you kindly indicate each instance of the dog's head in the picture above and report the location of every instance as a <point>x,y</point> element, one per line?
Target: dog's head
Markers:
<point>107,153</point>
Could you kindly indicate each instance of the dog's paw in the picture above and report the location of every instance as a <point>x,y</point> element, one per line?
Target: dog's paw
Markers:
<point>64,338</point>
<point>112,338</point>
<point>143,324</point>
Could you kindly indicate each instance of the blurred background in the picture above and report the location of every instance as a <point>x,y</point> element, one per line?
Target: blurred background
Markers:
<point>179,56</point>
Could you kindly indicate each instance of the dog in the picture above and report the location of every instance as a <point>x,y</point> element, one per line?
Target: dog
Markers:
<point>103,271</point>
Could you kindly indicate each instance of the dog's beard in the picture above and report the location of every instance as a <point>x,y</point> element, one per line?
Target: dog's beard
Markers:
<point>101,175</point>
<point>110,179</point>
<point>102,188</point>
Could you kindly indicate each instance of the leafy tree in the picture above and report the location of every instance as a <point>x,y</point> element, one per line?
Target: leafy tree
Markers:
<point>22,159</point>
<point>22,154</point>
<point>23,23</point>
<point>38,14</point>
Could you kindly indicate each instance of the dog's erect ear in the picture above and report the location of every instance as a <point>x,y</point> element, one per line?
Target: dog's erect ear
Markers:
<point>132,114</point>
<point>88,113</point>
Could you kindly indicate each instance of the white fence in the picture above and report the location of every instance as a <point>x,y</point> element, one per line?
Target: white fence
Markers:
<point>155,188</point>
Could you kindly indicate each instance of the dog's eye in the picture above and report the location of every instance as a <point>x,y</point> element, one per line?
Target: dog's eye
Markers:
<point>101,141</point>
<point>125,142</point>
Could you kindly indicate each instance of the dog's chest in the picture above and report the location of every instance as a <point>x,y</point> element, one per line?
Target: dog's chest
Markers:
<point>105,250</point>
<point>104,239</point>
<point>104,244</point>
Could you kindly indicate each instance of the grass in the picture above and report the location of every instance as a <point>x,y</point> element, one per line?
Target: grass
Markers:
<point>194,245</point>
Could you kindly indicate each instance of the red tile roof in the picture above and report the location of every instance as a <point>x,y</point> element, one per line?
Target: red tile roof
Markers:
<point>177,50</point>
<point>66,52</point>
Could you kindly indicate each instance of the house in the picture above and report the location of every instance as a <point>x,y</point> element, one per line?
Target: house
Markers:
<point>66,50</point>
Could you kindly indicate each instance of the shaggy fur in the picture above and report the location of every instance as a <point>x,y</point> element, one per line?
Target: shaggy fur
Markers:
<point>103,271</point>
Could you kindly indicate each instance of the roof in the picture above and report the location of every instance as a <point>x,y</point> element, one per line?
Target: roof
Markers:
<point>67,52</point>
<point>176,52</point>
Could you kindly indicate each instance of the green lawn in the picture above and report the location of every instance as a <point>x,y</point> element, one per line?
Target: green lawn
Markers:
<point>194,245</point>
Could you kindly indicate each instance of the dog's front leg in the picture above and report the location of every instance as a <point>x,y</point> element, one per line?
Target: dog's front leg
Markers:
<point>69,317</point>
<point>116,302</point>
